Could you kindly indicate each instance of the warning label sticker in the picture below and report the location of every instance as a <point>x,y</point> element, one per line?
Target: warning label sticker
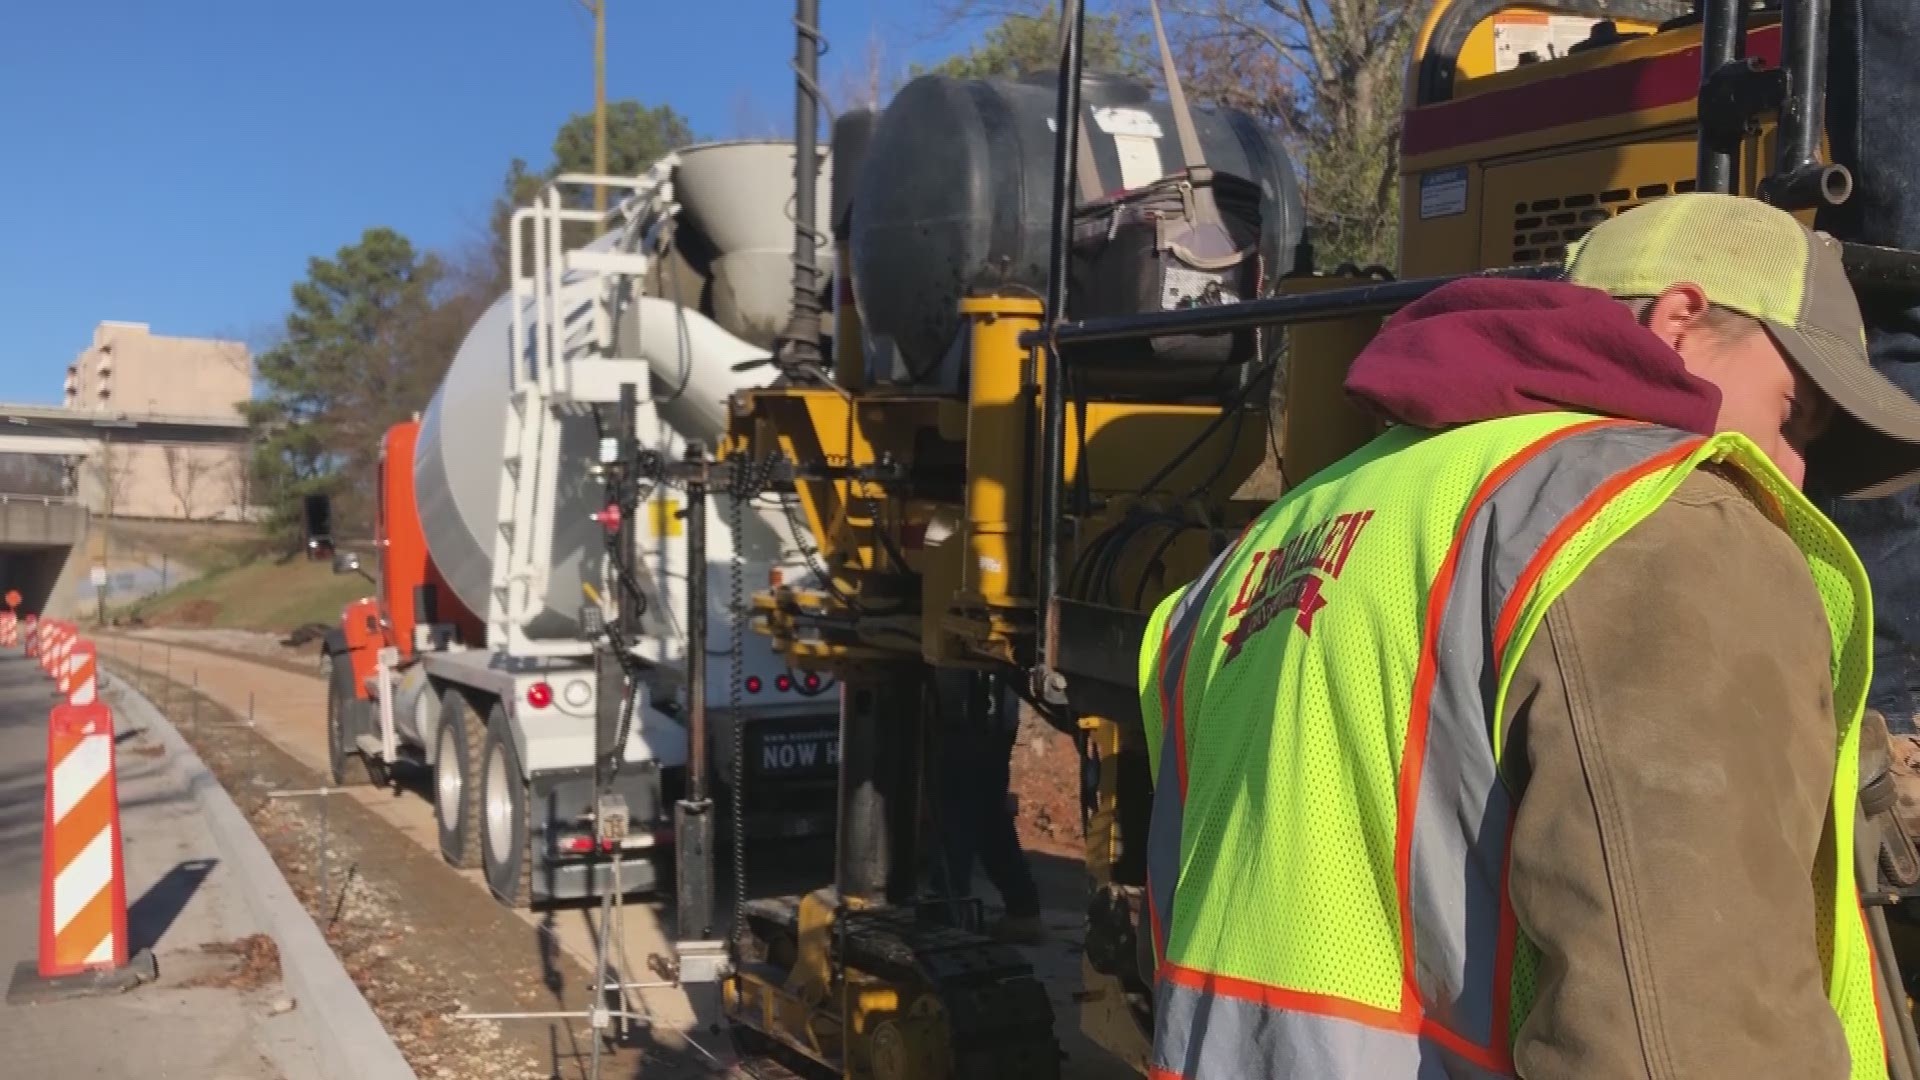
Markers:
<point>1139,160</point>
<point>1443,192</point>
<point>1184,287</point>
<point>1546,37</point>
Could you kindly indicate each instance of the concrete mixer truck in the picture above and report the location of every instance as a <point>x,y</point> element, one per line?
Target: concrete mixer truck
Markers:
<point>506,563</point>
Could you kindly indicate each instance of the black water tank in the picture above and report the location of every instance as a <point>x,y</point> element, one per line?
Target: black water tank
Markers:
<point>955,195</point>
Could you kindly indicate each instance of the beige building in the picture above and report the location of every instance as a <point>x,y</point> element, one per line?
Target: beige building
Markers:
<point>129,371</point>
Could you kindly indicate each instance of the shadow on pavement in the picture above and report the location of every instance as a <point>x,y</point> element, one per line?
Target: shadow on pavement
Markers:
<point>149,917</point>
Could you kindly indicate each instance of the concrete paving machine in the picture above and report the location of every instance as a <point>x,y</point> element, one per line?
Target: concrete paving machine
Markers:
<point>529,637</point>
<point>1011,452</point>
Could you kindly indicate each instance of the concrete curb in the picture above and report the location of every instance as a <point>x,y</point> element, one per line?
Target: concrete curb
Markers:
<point>346,1032</point>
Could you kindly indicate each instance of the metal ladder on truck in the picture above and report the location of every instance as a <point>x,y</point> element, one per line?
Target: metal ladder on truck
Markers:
<point>562,364</point>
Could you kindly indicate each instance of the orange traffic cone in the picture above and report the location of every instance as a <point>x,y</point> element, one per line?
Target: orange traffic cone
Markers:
<point>83,879</point>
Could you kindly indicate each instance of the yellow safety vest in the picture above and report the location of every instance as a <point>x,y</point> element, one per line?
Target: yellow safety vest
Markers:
<point>1323,710</point>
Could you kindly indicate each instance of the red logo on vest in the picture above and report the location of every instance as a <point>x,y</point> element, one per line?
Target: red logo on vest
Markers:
<point>1290,578</point>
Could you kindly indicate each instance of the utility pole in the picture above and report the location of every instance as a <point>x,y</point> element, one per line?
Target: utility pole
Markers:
<point>599,102</point>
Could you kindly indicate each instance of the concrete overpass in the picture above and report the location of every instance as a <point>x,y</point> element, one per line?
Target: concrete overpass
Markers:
<point>50,429</point>
<point>44,530</point>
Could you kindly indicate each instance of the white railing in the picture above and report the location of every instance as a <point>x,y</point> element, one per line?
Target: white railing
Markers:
<point>564,305</point>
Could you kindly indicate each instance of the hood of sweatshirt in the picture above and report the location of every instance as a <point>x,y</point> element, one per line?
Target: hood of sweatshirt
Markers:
<point>1480,349</point>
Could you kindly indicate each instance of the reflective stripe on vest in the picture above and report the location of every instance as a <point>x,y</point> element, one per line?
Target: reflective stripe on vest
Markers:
<point>1163,830</point>
<point>1457,932</point>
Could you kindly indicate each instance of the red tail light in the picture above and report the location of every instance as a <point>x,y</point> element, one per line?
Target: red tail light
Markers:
<point>753,684</point>
<point>783,684</point>
<point>539,695</point>
<point>812,681</point>
<point>577,845</point>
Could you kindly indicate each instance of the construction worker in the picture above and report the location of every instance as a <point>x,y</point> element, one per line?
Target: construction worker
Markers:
<point>1523,741</point>
<point>981,724</point>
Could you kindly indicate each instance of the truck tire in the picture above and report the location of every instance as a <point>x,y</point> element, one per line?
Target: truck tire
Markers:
<point>506,849</point>
<point>346,719</point>
<point>456,780</point>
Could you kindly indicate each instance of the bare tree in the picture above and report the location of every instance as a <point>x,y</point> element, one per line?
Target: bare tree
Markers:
<point>109,470</point>
<point>864,82</point>
<point>188,470</point>
<point>1328,74</point>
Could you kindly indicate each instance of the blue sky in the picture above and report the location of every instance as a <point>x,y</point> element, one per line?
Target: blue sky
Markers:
<point>176,162</point>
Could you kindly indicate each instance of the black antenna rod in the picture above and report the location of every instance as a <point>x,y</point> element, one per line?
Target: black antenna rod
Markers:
<point>1053,418</point>
<point>802,337</point>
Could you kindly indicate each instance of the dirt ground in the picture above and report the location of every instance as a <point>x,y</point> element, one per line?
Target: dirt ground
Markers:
<point>1045,765</point>
<point>1045,780</point>
<point>418,964</point>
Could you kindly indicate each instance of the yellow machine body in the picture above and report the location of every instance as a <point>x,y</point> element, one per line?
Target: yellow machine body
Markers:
<point>921,503</point>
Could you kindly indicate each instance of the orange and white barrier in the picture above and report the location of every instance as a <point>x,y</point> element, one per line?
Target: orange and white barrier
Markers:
<point>69,663</point>
<point>83,881</point>
<point>53,630</point>
<point>62,645</point>
<point>30,633</point>
<point>79,681</point>
<point>9,629</point>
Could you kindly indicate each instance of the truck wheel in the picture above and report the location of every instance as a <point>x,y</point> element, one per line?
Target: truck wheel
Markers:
<point>456,780</point>
<point>346,718</point>
<point>505,847</point>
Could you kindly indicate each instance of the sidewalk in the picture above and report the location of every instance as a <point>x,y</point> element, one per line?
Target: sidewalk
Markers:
<point>220,1009</point>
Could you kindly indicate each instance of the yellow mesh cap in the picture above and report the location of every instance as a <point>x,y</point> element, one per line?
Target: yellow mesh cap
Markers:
<point>1744,254</point>
<point>1760,261</point>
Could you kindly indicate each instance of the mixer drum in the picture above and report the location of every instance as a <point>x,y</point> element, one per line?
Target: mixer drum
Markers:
<point>954,198</point>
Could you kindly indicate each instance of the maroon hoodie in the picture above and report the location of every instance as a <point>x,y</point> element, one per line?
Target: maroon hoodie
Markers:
<point>1483,348</point>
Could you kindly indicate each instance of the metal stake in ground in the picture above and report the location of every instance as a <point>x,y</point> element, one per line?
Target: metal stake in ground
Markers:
<point>600,1017</point>
<point>326,884</point>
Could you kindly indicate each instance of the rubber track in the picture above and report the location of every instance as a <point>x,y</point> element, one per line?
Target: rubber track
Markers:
<point>1000,1018</point>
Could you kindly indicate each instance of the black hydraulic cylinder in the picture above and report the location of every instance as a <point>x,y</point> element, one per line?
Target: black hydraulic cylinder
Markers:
<point>610,689</point>
<point>693,833</point>
<point>631,602</point>
<point>1799,180</point>
<point>697,779</point>
<point>1722,42</point>
<point>693,817</point>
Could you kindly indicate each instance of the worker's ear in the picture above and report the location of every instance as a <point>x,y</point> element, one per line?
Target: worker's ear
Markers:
<point>1675,314</point>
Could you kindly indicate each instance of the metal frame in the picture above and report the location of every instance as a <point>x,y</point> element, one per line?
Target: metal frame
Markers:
<point>561,362</point>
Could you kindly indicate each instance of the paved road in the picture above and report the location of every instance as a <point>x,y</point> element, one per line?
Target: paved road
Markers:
<point>180,898</point>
